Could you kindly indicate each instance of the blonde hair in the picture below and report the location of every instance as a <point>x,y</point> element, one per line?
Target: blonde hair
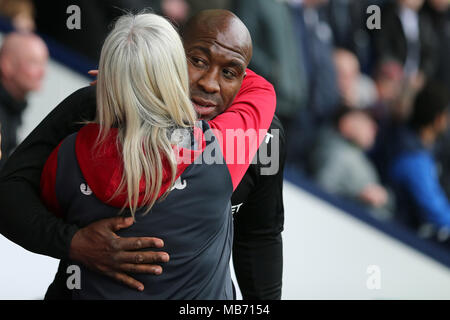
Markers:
<point>143,90</point>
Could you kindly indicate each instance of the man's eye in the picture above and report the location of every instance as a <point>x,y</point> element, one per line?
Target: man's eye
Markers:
<point>228,73</point>
<point>198,62</point>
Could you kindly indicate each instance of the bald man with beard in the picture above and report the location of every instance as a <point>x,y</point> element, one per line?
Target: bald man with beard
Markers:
<point>218,49</point>
<point>23,60</point>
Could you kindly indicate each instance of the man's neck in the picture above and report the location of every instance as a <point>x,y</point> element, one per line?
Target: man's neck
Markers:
<point>17,93</point>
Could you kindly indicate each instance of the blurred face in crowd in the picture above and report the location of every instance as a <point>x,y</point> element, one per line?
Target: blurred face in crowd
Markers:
<point>359,128</point>
<point>176,10</point>
<point>412,4</point>
<point>348,73</point>
<point>440,124</point>
<point>389,90</point>
<point>21,13</point>
<point>218,49</point>
<point>389,80</point>
<point>440,5</point>
<point>31,65</point>
<point>23,62</point>
<point>24,22</point>
<point>314,3</point>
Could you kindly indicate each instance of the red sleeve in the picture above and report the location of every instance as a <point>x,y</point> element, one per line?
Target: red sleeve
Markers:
<point>48,183</point>
<point>243,126</point>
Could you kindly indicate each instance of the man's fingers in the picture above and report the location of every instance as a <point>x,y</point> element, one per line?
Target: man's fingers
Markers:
<point>93,73</point>
<point>118,223</point>
<point>141,257</point>
<point>127,280</point>
<point>136,243</point>
<point>140,268</point>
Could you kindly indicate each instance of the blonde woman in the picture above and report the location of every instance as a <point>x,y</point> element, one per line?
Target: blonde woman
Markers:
<point>127,163</point>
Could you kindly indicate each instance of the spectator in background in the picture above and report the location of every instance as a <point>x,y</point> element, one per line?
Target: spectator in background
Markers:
<point>389,82</point>
<point>23,60</point>
<point>198,5</point>
<point>348,20</point>
<point>413,171</point>
<point>407,36</point>
<point>388,111</point>
<point>96,17</point>
<point>176,10</point>
<point>442,156</point>
<point>356,89</point>
<point>396,93</point>
<point>438,11</point>
<point>340,164</point>
<point>314,39</point>
<point>21,13</point>
<point>276,52</point>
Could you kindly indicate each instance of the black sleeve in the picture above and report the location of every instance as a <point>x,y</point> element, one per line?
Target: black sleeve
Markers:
<point>258,219</point>
<point>23,217</point>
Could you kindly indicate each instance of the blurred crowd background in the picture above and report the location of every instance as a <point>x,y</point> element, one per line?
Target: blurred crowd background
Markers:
<point>365,110</point>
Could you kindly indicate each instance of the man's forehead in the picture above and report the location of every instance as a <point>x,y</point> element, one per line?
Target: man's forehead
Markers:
<point>219,45</point>
<point>228,34</point>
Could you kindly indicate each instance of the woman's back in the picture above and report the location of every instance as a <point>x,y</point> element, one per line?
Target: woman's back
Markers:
<point>194,221</point>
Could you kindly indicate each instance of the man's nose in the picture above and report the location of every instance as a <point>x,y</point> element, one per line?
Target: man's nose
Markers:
<point>209,82</point>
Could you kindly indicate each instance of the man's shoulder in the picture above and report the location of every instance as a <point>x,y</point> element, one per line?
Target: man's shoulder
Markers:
<point>80,103</point>
<point>277,125</point>
<point>88,92</point>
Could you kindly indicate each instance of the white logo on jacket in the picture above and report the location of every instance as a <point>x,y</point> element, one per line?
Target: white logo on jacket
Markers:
<point>84,188</point>
<point>179,185</point>
<point>236,207</point>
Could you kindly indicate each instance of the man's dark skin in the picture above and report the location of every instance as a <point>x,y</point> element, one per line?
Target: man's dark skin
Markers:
<point>218,48</point>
